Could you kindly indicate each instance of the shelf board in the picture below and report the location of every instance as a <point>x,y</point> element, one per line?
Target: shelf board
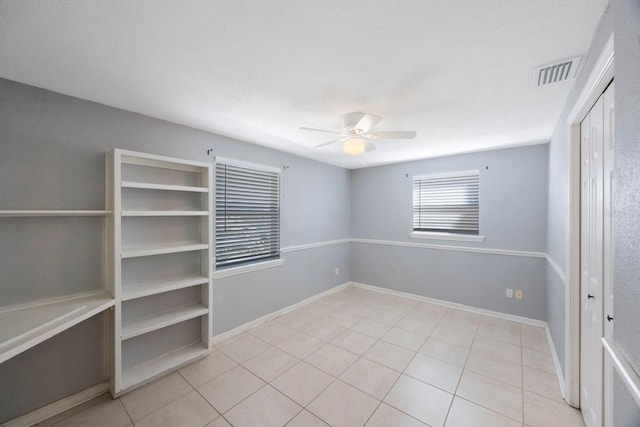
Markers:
<point>150,324</point>
<point>153,288</point>
<point>27,213</point>
<point>149,186</point>
<point>157,367</point>
<point>26,326</point>
<point>165,213</point>
<point>164,162</point>
<point>148,250</point>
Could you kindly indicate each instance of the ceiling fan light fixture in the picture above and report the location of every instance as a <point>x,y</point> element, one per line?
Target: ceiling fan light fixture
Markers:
<point>354,146</point>
<point>357,133</point>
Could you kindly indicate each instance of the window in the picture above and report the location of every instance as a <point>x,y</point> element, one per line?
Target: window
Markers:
<point>247,213</point>
<point>447,203</point>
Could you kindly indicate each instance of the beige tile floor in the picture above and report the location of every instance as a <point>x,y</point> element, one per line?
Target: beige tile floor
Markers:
<point>356,358</point>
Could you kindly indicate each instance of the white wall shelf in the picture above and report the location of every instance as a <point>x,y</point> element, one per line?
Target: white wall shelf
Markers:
<point>26,326</point>
<point>160,265</point>
<point>147,289</point>
<point>163,187</point>
<point>29,213</point>
<point>149,250</point>
<point>150,324</point>
<point>165,213</point>
<point>166,363</point>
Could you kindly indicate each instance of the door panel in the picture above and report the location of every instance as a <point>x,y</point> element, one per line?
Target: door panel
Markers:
<point>608,142</point>
<point>595,262</point>
<point>585,259</point>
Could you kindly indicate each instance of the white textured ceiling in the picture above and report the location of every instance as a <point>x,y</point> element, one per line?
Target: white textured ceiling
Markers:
<point>457,72</point>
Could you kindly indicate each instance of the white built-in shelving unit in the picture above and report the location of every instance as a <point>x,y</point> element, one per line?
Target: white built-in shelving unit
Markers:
<point>26,325</point>
<point>160,269</point>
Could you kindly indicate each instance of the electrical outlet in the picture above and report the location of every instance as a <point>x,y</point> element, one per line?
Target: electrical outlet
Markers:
<point>509,293</point>
<point>519,294</point>
<point>337,271</point>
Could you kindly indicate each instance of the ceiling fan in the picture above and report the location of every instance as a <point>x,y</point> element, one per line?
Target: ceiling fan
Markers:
<point>356,134</point>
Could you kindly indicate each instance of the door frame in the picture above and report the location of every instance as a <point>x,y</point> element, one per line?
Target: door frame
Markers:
<point>600,77</point>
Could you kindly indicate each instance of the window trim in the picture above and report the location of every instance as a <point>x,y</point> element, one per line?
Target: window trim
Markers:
<point>221,272</point>
<point>443,235</point>
<point>434,235</point>
<point>243,164</point>
<point>445,175</point>
<point>246,268</point>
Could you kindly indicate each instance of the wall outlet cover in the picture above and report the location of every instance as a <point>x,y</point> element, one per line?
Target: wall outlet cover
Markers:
<point>518,294</point>
<point>509,293</point>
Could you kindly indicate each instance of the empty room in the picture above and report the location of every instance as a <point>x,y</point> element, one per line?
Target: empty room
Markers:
<point>319,213</point>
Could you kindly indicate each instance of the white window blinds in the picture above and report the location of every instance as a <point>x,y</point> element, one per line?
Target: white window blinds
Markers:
<point>447,203</point>
<point>247,214</point>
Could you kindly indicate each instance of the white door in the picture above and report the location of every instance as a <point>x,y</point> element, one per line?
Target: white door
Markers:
<point>594,153</point>
<point>609,112</point>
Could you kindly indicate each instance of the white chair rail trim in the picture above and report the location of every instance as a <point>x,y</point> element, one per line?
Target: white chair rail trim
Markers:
<point>624,368</point>
<point>452,248</point>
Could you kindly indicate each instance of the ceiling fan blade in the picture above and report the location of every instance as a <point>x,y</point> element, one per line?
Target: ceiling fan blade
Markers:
<point>363,121</point>
<point>398,134</point>
<point>329,143</point>
<point>368,122</point>
<point>321,130</point>
<point>369,146</point>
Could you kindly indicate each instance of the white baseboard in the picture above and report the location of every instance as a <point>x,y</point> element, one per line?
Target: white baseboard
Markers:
<point>556,363</point>
<point>58,407</point>
<point>255,323</point>
<point>497,314</point>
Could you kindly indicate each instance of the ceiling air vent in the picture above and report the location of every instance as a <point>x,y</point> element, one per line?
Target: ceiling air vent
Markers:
<point>556,73</point>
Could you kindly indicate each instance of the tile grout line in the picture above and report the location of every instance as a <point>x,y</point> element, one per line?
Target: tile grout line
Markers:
<point>204,398</point>
<point>381,401</point>
<point>490,410</point>
<point>269,383</point>
<point>250,372</point>
<point>304,407</point>
<point>484,407</point>
<point>455,393</point>
<point>126,411</point>
<point>167,403</point>
<point>417,352</point>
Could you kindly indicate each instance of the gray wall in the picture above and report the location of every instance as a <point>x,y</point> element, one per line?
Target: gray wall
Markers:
<point>625,410</point>
<point>556,312</point>
<point>304,273</point>
<point>623,19</point>
<point>513,206</point>
<point>626,233</point>
<point>558,204</point>
<point>53,157</point>
<point>61,366</point>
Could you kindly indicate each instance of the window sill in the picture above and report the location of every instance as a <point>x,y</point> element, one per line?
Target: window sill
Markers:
<point>446,236</point>
<point>233,271</point>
